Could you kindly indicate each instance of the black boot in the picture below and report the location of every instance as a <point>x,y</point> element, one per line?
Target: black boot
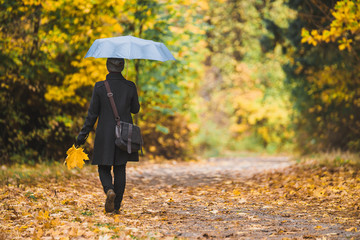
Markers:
<point>109,203</point>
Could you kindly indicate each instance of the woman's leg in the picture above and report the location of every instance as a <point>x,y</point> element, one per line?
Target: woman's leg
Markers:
<point>119,184</point>
<point>105,177</point>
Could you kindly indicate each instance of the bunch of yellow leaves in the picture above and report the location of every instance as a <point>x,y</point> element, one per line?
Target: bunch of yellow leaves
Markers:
<point>76,157</point>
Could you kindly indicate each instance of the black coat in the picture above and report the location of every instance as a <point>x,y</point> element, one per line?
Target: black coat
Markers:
<point>127,102</point>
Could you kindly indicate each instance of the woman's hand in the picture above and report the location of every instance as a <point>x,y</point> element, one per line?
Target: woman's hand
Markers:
<point>80,140</point>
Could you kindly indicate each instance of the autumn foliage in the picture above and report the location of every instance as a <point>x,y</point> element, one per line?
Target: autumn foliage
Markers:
<point>46,84</point>
<point>324,75</point>
<point>262,76</point>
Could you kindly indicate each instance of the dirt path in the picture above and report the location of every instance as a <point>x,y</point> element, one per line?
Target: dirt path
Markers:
<point>215,199</point>
<point>201,200</point>
<point>203,172</point>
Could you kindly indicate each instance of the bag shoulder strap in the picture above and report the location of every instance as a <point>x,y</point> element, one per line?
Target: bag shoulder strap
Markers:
<point>112,102</point>
<point>117,118</point>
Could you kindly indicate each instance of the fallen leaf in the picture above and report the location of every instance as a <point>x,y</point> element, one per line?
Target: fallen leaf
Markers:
<point>76,157</point>
<point>236,192</point>
<point>105,237</point>
<point>43,215</point>
<point>352,229</point>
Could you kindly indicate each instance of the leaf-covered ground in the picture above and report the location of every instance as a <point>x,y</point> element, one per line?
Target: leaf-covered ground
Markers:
<point>231,198</point>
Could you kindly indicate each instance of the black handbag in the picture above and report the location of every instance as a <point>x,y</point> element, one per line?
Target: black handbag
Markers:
<point>128,136</point>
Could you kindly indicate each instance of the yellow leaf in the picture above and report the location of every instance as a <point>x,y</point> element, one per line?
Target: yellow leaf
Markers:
<point>38,233</point>
<point>76,157</point>
<point>236,192</point>
<point>352,229</point>
<point>43,215</point>
<point>68,202</point>
<point>23,228</point>
<point>117,219</point>
<point>342,47</point>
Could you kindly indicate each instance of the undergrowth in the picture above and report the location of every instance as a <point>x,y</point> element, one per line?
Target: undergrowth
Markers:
<point>333,159</point>
<point>25,174</point>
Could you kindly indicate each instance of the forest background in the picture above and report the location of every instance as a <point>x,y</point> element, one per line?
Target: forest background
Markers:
<point>263,76</point>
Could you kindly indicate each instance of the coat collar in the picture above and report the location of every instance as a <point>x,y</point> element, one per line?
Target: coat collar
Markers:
<point>115,75</point>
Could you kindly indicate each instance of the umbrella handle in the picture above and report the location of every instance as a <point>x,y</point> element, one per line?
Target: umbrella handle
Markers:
<point>127,62</point>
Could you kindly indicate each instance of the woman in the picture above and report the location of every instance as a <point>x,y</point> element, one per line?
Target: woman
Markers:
<point>106,154</point>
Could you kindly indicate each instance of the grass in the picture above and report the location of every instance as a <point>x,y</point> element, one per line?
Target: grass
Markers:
<point>22,173</point>
<point>332,159</point>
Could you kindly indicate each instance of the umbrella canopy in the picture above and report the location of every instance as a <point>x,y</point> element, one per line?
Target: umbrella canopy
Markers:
<point>129,47</point>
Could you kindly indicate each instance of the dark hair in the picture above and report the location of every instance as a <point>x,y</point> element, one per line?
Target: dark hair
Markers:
<point>115,64</point>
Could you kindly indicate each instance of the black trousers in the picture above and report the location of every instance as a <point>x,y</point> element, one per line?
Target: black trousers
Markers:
<point>119,181</point>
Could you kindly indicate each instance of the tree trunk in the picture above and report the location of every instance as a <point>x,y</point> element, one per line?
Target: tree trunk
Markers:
<point>37,19</point>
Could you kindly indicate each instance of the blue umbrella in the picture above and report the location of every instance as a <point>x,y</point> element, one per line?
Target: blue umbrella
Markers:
<point>129,47</point>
